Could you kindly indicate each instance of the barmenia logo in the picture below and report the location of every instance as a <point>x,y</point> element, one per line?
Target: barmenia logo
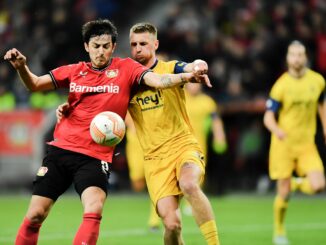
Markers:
<point>111,88</point>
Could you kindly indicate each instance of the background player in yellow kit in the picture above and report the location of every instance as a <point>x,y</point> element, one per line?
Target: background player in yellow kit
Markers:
<point>204,118</point>
<point>296,96</point>
<point>174,163</point>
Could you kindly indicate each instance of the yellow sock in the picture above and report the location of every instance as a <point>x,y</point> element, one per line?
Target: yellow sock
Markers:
<point>280,207</point>
<point>154,219</point>
<point>209,230</point>
<point>303,185</point>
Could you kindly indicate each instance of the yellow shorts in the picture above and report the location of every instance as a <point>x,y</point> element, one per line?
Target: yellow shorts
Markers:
<point>284,159</point>
<point>163,173</point>
<point>135,158</point>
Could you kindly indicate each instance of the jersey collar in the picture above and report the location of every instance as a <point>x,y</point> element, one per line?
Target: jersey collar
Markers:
<point>101,69</point>
<point>155,63</point>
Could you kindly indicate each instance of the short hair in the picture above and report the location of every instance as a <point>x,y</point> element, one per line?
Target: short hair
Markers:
<point>296,43</point>
<point>144,27</point>
<point>97,28</point>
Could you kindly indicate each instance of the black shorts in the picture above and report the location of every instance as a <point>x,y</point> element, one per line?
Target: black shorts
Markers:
<point>61,168</point>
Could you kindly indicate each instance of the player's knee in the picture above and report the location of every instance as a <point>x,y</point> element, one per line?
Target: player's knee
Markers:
<point>37,215</point>
<point>95,206</point>
<point>318,186</point>
<point>189,187</point>
<point>172,226</point>
<point>172,221</point>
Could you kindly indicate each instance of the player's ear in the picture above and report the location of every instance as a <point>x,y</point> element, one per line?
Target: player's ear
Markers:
<point>113,47</point>
<point>156,44</point>
<point>86,47</point>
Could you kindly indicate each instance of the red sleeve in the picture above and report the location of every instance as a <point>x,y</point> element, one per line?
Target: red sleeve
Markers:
<point>61,76</point>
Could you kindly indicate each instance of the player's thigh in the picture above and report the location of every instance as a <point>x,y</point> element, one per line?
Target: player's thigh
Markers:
<point>91,172</point>
<point>161,179</point>
<point>53,177</point>
<point>191,166</point>
<point>281,162</point>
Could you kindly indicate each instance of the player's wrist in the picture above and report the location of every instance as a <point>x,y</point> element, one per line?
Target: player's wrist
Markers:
<point>186,77</point>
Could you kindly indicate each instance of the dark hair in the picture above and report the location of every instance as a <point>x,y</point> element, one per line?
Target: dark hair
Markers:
<point>144,27</point>
<point>97,28</point>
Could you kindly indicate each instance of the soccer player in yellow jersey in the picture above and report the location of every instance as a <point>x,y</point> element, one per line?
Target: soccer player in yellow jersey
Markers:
<point>204,119</point>
<point>295,97</point>
<point>173,160</point>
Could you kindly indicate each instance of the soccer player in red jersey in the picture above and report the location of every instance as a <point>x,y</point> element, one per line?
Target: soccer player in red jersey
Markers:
<point>103,84</point>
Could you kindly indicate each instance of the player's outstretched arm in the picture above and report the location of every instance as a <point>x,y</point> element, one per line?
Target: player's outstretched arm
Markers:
<point>30,80</point>
<point>170,80</point>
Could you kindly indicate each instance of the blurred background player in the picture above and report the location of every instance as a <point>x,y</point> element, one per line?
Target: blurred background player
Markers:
<point>295,98</point>
<point>135,160</point>
<point>204,118</point>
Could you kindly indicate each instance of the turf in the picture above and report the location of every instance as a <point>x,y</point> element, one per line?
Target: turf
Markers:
<point>242,220</point>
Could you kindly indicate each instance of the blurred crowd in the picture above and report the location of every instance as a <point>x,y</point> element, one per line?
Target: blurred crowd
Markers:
<point>244,43</point>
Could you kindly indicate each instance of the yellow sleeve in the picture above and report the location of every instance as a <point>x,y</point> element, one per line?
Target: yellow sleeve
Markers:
<point>277,91</point>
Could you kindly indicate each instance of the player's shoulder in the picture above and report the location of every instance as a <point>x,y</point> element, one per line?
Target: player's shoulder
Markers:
<point>165,66</point>
<point>122,61</point>
<point>315,75</point>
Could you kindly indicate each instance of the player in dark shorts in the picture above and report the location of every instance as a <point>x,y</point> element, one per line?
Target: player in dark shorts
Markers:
<point>103,84</point>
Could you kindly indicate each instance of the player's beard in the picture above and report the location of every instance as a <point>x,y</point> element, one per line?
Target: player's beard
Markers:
<point>141,59</point>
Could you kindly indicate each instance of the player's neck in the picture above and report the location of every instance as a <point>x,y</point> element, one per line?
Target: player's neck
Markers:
<point>151,63</point>
<point>297,73</point>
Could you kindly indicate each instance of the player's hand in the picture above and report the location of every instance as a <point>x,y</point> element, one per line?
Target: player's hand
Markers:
<point>61,111</point>
<point>200,67</point>
<point>220,147</point>
<point>280,134</point>
<point>195,78</point>
<point>16,58</point>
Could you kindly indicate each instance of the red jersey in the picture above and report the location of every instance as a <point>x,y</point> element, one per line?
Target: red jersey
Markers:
<point>92,91</point>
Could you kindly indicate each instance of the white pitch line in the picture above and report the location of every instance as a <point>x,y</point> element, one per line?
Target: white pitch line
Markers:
<point>143,232</point>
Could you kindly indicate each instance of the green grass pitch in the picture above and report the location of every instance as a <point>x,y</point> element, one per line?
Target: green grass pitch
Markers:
<point>242,220</point>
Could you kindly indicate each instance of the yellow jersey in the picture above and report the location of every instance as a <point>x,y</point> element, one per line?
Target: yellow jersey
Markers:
<point>200,108</point>
<point>160,117</point>
<point>299,100</point>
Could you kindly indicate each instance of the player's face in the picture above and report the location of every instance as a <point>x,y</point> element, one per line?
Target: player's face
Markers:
<point>296,57</point>
<point>143,47</point>
<point>100,49</point>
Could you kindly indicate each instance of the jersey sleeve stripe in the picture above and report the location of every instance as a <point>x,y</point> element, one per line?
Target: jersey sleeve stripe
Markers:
<point>142,75</point>
<point>53,80</point>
